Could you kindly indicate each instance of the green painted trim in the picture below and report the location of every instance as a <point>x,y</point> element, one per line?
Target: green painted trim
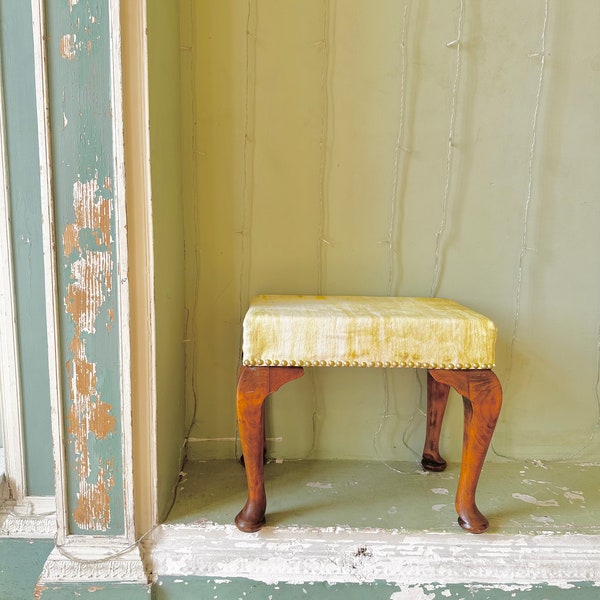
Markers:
<point>81,112</point>
<point>26,231</point>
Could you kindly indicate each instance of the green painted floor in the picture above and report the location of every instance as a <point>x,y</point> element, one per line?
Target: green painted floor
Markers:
<point>251,590</point>
<point>21,562</point>
<point>519,498</point>
<point>530,498</point>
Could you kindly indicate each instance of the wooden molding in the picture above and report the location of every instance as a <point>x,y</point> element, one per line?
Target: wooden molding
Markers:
<point>141,273</point>
<point>10,388</point>
<point>50,272</point>
<point>30,517</point>
<point>122,262</point>
<point>115,562</point>
<point>335,554</point>
<point>54,302</point>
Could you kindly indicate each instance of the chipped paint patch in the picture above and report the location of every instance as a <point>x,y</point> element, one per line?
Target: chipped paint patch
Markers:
<point>319,485</point>
<point>544,520</point>
<point>412,593</point>
<point>532,500</point>
<point>39,590</point>
<point>68,46</point>
<point>89,418</point>
<point>574,495</point>
<point>539,463</point>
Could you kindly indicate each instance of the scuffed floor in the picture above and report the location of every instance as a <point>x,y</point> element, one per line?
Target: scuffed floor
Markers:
<point>533,500</point>
<point>518,498</point>
<point>240,589</point>
<point>529,505</point>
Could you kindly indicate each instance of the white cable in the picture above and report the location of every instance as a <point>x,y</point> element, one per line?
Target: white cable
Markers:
<point>456,43</point>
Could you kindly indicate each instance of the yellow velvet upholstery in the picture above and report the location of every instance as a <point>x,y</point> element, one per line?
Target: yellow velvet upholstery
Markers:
<point>366,331</point>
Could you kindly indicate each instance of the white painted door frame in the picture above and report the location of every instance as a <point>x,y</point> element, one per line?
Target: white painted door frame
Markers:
<point>22,514</point>
<point>10,388</point>
<point>81,557</point>
<point>136,137</point>
<point>49,242</point>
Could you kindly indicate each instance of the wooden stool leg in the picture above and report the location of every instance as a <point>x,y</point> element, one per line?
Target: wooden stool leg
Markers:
<point>254,385</point>
<point>482,395</point>
<point>437,399</point>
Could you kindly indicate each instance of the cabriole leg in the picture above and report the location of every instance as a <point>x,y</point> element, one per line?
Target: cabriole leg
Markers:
<point>482,395</point>
<point>254,385</point>
<point>437,399</point>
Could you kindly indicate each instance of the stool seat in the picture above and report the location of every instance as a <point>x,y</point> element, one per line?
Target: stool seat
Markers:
<point>283,334</point>
<point>366,331</point>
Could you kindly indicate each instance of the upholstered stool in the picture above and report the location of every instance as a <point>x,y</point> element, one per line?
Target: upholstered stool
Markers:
<point>284,334</point>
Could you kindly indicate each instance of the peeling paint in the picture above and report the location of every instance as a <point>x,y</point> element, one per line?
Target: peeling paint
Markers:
<point>545,520</point>
<point>88,292</point>
<point>539,463</point>
<point>574,495</point>
<point>67,46</point>
<point>412,593</point>
<point>38,591</point>
<point>319,485</point>
<point>532,500</point>
<point>91,272</point>
<point>111,318</point>
<point>92,511</point>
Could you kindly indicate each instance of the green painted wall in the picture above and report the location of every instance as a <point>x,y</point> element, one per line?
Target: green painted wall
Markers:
<point>319,134</point>
<point>26,229</point>
<point>167,214</point>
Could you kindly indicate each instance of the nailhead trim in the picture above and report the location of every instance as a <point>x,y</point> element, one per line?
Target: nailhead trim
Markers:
<point>374,364</point>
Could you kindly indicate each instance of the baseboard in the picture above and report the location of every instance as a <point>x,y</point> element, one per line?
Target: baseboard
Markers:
<point>298,555</point>
<point>100,561</point>
<point>32,517</point>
